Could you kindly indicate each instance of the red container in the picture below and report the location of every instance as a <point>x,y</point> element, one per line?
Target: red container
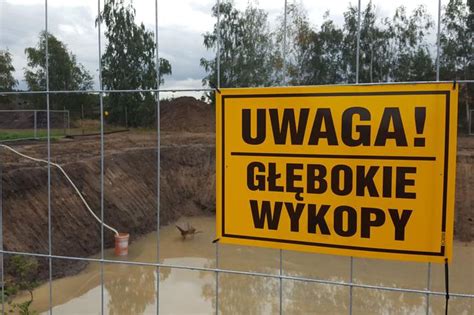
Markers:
<point>121,244</point>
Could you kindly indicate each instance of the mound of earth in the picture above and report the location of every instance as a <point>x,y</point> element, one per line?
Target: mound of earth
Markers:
<point>187,114</point>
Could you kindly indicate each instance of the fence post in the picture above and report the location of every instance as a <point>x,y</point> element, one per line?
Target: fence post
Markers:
<point>218,83</point>
<point>437,40</point>
<point>35,125</point>
<point>158,160</point>
<point>48,132</point>
<point>285,26</point>
<point>351,275</point>
<point>358,42</point>
<point>64,120</point>
<point>471,122</point>
<point>1,233</point>
<point>126,116</point>
<point>68,122</point>
<point>284,42</point>
<point>102,162</point>
<point>428,285</point>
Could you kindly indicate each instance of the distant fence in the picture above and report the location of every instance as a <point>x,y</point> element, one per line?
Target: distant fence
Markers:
<point>28,123</point>
<point>471,122</point>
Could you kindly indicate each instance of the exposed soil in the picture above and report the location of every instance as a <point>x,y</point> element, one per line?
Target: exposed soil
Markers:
<point>187,114</point>
<point>130,185</point>
<point>130,191</point>
<point>464,211</point>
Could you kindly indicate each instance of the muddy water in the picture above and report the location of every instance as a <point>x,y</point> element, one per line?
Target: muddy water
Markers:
<point>132,289</point>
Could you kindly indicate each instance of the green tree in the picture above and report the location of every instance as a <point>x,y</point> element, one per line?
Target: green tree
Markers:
<point>390,49</point>
<point>408,53</point>
<point>457,52</point>
<point>470,21</point>
<point>7,81</point>
<point>129,64</point>
<point>245,50</point>
<point>326,59</point>
<point>65,74</point>
<point>349,45</point>
<point>299,46</point>
<point>373,65</point>
<point>470,87</point>
<point>456,42</point>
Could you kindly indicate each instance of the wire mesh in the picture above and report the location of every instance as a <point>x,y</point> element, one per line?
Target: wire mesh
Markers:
<point>216,270</point>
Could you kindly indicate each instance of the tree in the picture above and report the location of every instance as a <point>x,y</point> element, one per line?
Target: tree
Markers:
<point>65,74</point>
<point>129,64</point>
<point>349,45</point>
<point>470,21</point>
<point>457,52</point>
<point>245,50</point>
<point>390,49</point>
<point>470,87</point>
<point>456,42</point>
<point>7,81</point>
<point>299,46</point>
<point>326,59</point>
<point>408,53</point>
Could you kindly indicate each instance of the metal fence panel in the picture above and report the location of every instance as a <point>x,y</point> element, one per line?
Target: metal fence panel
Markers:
<point>281,276</point>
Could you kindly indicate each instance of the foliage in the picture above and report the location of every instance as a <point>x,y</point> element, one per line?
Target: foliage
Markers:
<point>129,64</point>
<point>299,47</point>
<point>7,81</point>
<point>65,73</point>
<point>391,48</point>
<point>457,41</point>
<point>408,53</point>
<point>326,59</point>
<point>24,271</point>
<point>245,50</point>
<point>457,52</point>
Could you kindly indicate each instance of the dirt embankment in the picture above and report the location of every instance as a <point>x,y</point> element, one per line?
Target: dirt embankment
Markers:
<point>130,198</point>
<point>186,114</point>
<point>130,186</point>
<point>464,211</point>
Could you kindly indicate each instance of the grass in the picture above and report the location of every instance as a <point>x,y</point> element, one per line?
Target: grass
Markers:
<point>14,134</point>
<point>18,134</point>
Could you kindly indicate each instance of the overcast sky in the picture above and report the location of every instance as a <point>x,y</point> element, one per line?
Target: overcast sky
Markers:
<point>181,25</point>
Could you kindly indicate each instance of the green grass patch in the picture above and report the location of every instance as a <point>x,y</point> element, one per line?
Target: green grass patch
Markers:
<point>14,134</point>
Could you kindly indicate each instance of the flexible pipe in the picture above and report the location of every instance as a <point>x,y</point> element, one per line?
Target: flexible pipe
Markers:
<point>69,180</point>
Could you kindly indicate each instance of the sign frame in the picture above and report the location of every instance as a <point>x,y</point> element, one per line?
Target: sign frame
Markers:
<point>448,91</point>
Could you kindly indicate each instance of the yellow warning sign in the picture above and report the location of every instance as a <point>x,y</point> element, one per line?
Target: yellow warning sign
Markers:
<point>364,171</point>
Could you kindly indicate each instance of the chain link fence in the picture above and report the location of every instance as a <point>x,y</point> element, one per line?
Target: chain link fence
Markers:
<point>45,119</point>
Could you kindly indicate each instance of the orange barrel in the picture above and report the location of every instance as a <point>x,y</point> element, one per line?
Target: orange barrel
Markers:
<point>121,244</point>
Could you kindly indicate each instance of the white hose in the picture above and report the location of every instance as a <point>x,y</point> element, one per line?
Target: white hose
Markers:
<point>67,177</point>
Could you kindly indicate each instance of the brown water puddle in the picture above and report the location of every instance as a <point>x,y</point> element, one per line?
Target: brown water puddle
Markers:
<point>132,289</point>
